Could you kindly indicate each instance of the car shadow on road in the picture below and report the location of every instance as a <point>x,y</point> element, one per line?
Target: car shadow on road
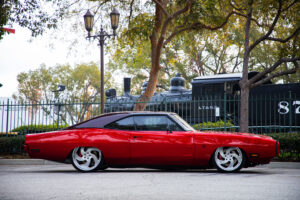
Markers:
<point>166,171</point>
<point>161,171</point>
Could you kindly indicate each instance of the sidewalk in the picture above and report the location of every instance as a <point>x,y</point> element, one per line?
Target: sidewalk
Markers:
<point>286,165</point>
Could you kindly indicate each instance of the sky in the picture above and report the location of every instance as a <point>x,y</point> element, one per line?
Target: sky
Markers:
<point>21,53</point>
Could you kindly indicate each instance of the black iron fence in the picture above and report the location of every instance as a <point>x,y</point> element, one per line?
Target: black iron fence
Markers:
<point>266,113</point>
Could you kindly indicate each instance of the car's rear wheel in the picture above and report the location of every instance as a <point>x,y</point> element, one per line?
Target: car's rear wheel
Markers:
<point>228,159</point>
<point>87,159</point>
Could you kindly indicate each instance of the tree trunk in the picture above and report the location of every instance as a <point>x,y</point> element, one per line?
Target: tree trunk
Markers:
<point>142,102</point>
<point>156,47</point>
<point>244,83</point>
<point>244,115</point>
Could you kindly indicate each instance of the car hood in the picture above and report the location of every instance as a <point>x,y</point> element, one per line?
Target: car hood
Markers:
<point>241,134</point>
<point>253,135</point>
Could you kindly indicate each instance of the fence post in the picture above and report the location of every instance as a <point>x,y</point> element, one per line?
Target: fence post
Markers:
<point>290,109</point>
<point>7,116</point>
<point>225,113</point>
<point>58,114</point>
<point>165,104</point>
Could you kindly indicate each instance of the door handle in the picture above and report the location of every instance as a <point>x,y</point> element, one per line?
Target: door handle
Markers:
<point>137,136</point>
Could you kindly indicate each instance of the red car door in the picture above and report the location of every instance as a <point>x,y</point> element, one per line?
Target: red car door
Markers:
<point>181,147</point>
<point>149,147</point>
<point>115,141</point>
<point>153,144</point>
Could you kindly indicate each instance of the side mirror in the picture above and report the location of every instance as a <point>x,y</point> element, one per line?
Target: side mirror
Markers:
<point>169,130</point>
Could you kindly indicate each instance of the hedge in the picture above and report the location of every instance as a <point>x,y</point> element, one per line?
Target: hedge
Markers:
<point>289,145</point>
<point>216,126</point>
<point>8,133</point>
<point>12,145</point>
<point>36,128</point>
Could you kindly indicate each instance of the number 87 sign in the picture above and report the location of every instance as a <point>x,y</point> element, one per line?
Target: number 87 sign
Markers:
<point>283,107</point>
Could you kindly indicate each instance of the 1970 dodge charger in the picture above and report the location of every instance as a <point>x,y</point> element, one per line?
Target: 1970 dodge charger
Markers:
<point>149,139</point>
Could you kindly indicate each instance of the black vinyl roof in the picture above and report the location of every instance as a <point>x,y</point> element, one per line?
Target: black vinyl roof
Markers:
<point>102,120</point>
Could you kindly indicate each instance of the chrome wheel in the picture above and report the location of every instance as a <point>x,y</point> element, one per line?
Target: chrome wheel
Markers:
<point>228,159</point>
<point>86,159</point>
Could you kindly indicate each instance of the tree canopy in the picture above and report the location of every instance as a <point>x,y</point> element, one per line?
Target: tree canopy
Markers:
<point>267,24</point>
<point>81,81</point>
<point>37,16</point>
<point>203,51</point>
<point>81,85</point>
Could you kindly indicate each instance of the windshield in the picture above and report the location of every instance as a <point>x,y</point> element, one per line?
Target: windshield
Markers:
<point>183,123</point>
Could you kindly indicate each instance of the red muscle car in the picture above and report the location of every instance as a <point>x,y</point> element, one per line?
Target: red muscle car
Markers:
<point>149,139</point>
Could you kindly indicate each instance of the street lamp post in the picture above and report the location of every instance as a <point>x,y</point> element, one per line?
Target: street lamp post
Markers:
<point>60,88</point>
<point>101,36</point>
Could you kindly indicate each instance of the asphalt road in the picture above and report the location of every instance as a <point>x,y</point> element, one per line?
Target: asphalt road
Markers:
<point>63,182</point>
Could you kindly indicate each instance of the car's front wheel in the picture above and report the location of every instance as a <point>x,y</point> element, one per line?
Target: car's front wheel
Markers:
<point>228,159</point>
<point>87,159</point>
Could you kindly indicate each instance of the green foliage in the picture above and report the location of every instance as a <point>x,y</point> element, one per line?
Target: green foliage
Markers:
<point>82,85</point>
<point>216,126</point>
<point>32,14</point>
<point>200,52</point>
<point>8,133</point>
<point>12,145</point>
<point>206,53</point>
<point>266,53</point>
<point>289,145</point>
<point>26,129</point>
<point>136,62</point>
<point>81,81</point>
<point>134,53</point>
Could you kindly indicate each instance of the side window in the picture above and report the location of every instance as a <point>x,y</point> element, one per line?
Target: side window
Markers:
<point>123,124</point>
<point>151,123</point>
<point>174,126</point>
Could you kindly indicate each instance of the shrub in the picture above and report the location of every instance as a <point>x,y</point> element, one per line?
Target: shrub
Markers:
<point>8,133</point>
<point>289,145</point>
<point>37,128</point>
<point>12,145</point>
<point>216,126</point>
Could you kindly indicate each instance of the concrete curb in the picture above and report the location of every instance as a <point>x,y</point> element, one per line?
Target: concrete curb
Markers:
<point>27,162</point>
<point>285,165</point>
